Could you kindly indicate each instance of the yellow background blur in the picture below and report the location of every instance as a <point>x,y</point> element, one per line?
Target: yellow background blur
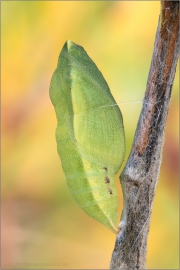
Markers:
<point>42,227</point>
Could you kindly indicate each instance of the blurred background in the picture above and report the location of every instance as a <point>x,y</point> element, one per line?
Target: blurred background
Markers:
<point>42,226</point>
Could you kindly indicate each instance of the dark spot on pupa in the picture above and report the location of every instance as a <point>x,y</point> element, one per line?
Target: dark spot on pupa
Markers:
<point>153,131</point>
<point>105,168</point>
<point>110,191</point>
<point>107,180</point>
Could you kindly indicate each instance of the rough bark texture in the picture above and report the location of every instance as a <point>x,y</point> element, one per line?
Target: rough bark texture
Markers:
<point>140,175</point>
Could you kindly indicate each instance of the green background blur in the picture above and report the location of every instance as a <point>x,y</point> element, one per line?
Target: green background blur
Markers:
<point>42,227</point>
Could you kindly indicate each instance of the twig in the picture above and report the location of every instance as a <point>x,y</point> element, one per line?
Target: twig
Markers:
<point>140,175</point>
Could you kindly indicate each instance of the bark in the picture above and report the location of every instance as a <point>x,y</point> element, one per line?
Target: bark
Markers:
<point>140,175</point>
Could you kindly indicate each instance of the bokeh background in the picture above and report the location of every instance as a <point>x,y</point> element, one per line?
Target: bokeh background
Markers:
<point>42,227</point>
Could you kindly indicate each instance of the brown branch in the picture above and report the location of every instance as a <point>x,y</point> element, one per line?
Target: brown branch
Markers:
<point>140,175</point>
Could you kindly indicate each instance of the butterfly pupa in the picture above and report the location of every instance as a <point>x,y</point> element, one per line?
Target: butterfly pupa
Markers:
<point>90,134</point>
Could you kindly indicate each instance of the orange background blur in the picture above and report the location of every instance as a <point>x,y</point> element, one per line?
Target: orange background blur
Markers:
<point>42,226</point>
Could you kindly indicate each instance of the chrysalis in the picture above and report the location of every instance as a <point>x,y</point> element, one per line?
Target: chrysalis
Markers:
<point>90,133</point>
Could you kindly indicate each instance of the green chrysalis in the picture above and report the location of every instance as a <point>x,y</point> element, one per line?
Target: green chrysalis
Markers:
<point>90,133</point>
